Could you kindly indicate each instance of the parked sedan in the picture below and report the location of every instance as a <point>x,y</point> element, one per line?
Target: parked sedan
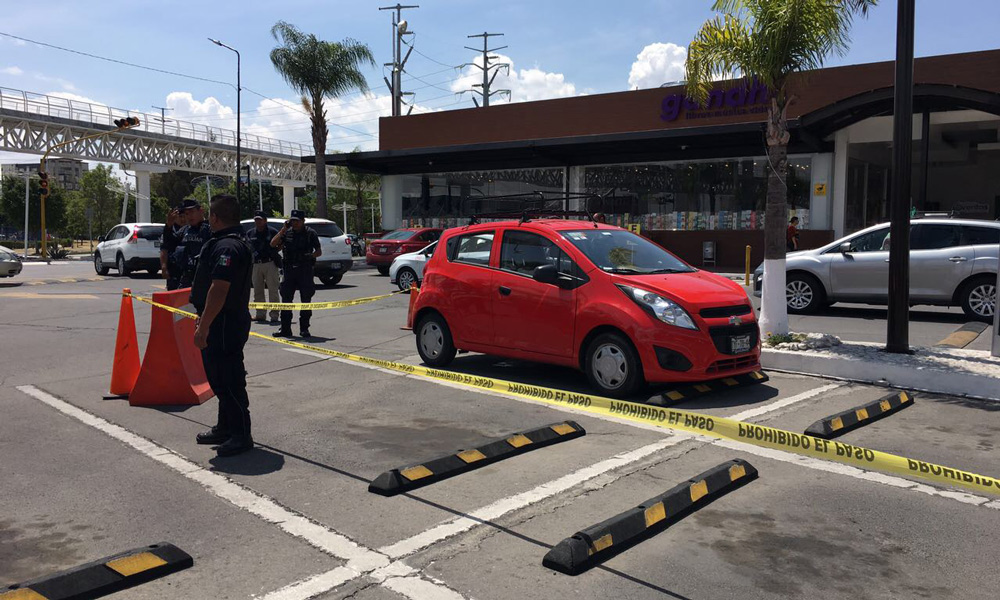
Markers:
<point>10,263</point>
<point>953,262</point>
<point>382,251</point>
<point>408,269</point>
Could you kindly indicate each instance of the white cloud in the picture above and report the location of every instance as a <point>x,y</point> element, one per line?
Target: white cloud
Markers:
<point>657,64</point>
<point>524,85</point>
<point>12,71</point>
<point>63,83</point>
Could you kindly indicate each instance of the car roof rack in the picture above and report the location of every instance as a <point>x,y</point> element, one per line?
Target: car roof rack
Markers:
<point>934,215</point>
<point>527,213</point>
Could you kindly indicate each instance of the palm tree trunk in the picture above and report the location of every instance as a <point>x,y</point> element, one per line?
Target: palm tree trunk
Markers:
<point>319,133</point>
<point>774,310</point>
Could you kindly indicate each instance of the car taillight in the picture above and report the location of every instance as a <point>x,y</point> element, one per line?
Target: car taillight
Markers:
<point>347,241</point>
<point>135,237</point>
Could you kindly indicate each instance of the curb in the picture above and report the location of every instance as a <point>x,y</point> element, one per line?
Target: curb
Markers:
<point>409,478</point>
<point>936,381</point>
<point>859,416</point>
<point>690,392</point>
<point>106,576</point>
<point>596,544</point>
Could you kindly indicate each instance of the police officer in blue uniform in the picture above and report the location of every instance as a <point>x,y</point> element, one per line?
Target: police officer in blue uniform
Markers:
<point>300,247</point>
<point>169,241</point>
<point>220,293</point>
<point>190,239</point>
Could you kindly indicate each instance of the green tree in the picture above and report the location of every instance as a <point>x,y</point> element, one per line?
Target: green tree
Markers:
<point>12,206</point>
<point>768,41</point>
<point>175,186</point>
<point>317,69</point>
<point>100,192</point>
<point>363,184</point>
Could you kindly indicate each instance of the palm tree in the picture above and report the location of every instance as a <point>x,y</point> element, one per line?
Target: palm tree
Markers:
<point>318,69</point>
<point>767,41</point>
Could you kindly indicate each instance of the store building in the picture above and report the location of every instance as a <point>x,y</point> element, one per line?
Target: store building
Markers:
<point>690,173</point>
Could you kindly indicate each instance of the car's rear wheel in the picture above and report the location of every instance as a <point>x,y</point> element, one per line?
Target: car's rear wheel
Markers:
<point>979,298</point>
<point>613,366</point>
<point>434,342</point>
<point>383,270</point>
<point>804,294</point>
<point>99,266</point>
<point>122,267</point>
<point>405,278</point>
<point>331,279</point>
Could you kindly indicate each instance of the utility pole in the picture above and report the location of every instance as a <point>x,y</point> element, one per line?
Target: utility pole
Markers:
<point>485,67</point>
<point>163,117</point>
<point>27,197</point>
<point>399,29</point>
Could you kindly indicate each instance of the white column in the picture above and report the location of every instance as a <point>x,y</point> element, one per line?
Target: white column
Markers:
<point>819,204</point>
<point>143,212</point>
<point>288,198</point>
<point>391,198</point>
<point>839,183</point>
<point>576,187</point>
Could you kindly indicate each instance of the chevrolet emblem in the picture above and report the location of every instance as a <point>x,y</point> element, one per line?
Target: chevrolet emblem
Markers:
<point>735,320</point>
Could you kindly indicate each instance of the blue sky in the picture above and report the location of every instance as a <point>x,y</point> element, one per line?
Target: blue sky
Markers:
<point>557,47</point>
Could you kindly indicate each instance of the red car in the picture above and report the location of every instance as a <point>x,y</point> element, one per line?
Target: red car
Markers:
<point>382,251</point>
<point>589,296</point>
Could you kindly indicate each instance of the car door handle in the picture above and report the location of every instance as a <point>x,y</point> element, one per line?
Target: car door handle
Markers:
<point>887,260</point>
<point>957,259</point>
<point>504,290</point>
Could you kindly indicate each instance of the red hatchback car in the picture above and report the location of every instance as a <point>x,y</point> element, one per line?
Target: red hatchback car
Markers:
<point>584,295</point>
<point>382,251</point>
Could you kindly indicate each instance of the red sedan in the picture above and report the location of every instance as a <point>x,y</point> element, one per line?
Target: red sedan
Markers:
<point>382,251</point>
<point>584,295</point>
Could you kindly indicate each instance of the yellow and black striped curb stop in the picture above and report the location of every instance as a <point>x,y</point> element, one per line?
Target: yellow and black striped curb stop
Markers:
<point>404,479</point>
<point>695,390</point>
<point>105,576</point>
<point>963,336</point>
<point>65,280</point>
<point>596,544</point>
<point>859,416</point>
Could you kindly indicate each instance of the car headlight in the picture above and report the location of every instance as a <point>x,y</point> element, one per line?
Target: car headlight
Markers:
<point>663,309</point>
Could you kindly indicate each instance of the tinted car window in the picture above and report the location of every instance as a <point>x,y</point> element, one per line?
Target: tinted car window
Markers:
<point>974,236</point>
<point>873,241</point>
<point>399,234</point>
<point>430,236</point>
<point>119,232</point>
<point>934,237</point>
<point>151,232</point>
<point>619,251</point>
<point>473,248</point>
<point>521,252</point>
<point>327,229</point>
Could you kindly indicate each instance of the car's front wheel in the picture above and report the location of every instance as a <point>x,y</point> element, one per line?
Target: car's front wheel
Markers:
<point>331,279</point>
<point>612,365</point>
<point>434,342</point>
<point>122,267</point>
<point>405,278</point>
<point>99,266</point>
<point>804,294</point>
<point>979,298</point>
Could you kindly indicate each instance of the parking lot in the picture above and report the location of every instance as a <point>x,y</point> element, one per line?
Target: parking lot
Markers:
<point>85,477</point>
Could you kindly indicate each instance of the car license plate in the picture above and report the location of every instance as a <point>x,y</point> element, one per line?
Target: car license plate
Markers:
<point>156,244</point>
<point>383,250</point>
<point>738,344</point>
<point>335,265</point>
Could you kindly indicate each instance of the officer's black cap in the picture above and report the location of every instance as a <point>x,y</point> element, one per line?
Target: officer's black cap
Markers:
<point>259,215</point>
<point>180,208</point>
<point>299,215</point>
<point>190,203</point>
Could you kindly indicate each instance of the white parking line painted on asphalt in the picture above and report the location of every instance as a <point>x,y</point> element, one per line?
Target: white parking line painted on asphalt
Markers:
<point>360,560</point>
<point>422,589</point>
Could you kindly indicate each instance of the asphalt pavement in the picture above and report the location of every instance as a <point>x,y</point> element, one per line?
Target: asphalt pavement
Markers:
<point>85,477</point>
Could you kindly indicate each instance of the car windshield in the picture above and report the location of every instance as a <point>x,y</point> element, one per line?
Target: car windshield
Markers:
<point>618,251</point>
<point>326,229</point>
<point>399,234</point>
<point>151,232</point>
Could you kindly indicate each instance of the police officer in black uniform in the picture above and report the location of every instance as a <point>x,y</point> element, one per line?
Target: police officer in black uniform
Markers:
<point>220,293</point>
<point>169,241</point>
<point>300,248</point>
<point>190,239</point>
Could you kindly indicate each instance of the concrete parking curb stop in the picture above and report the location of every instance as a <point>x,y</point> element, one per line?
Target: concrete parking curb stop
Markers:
<point>963,336</point>
<point>106,576</point>
<point>695,390</point>
<point>859,416</point>
<point>409,478</point>
<point>596,544</point>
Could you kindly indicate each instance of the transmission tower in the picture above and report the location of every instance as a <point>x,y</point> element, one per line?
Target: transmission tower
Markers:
<point>486,67</point>
<point>399,29</point>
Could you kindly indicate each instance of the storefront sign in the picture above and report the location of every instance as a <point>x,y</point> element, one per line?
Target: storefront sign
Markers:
<point>819,189</point>
<point>738,100</point>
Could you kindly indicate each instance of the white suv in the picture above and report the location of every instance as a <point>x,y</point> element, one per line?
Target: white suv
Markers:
<point>129,247</point>
<point>336,258</point>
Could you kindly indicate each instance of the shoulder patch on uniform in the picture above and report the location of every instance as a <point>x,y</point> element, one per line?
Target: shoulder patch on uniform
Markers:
<point>225,260</point>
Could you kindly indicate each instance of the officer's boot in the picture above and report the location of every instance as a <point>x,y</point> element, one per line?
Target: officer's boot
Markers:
<point>286,324</point>
<point>304,324</point>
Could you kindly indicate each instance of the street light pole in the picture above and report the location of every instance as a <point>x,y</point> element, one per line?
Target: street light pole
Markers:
<point>238,109</point>
<point>27,196</point>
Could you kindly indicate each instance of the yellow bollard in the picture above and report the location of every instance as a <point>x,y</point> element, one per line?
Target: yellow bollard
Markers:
<point>746,280</point>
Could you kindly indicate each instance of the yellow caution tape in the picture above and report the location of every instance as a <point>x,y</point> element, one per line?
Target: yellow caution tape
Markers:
<point>317,305</point>
<point>680,420</point>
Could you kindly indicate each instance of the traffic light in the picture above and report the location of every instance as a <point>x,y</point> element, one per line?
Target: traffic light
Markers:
<point>44,183</point>
<point>126,122</point>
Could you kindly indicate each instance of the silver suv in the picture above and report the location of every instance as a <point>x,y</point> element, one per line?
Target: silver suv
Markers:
<point>952,262</point>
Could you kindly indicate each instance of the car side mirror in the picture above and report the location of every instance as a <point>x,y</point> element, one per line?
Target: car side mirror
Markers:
<point>845,247</point>
<point>100,238</point>
<point>546,274</point>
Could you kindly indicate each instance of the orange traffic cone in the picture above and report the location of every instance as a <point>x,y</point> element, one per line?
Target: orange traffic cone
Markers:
<point>414,292</point>
<point>125,369</point>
